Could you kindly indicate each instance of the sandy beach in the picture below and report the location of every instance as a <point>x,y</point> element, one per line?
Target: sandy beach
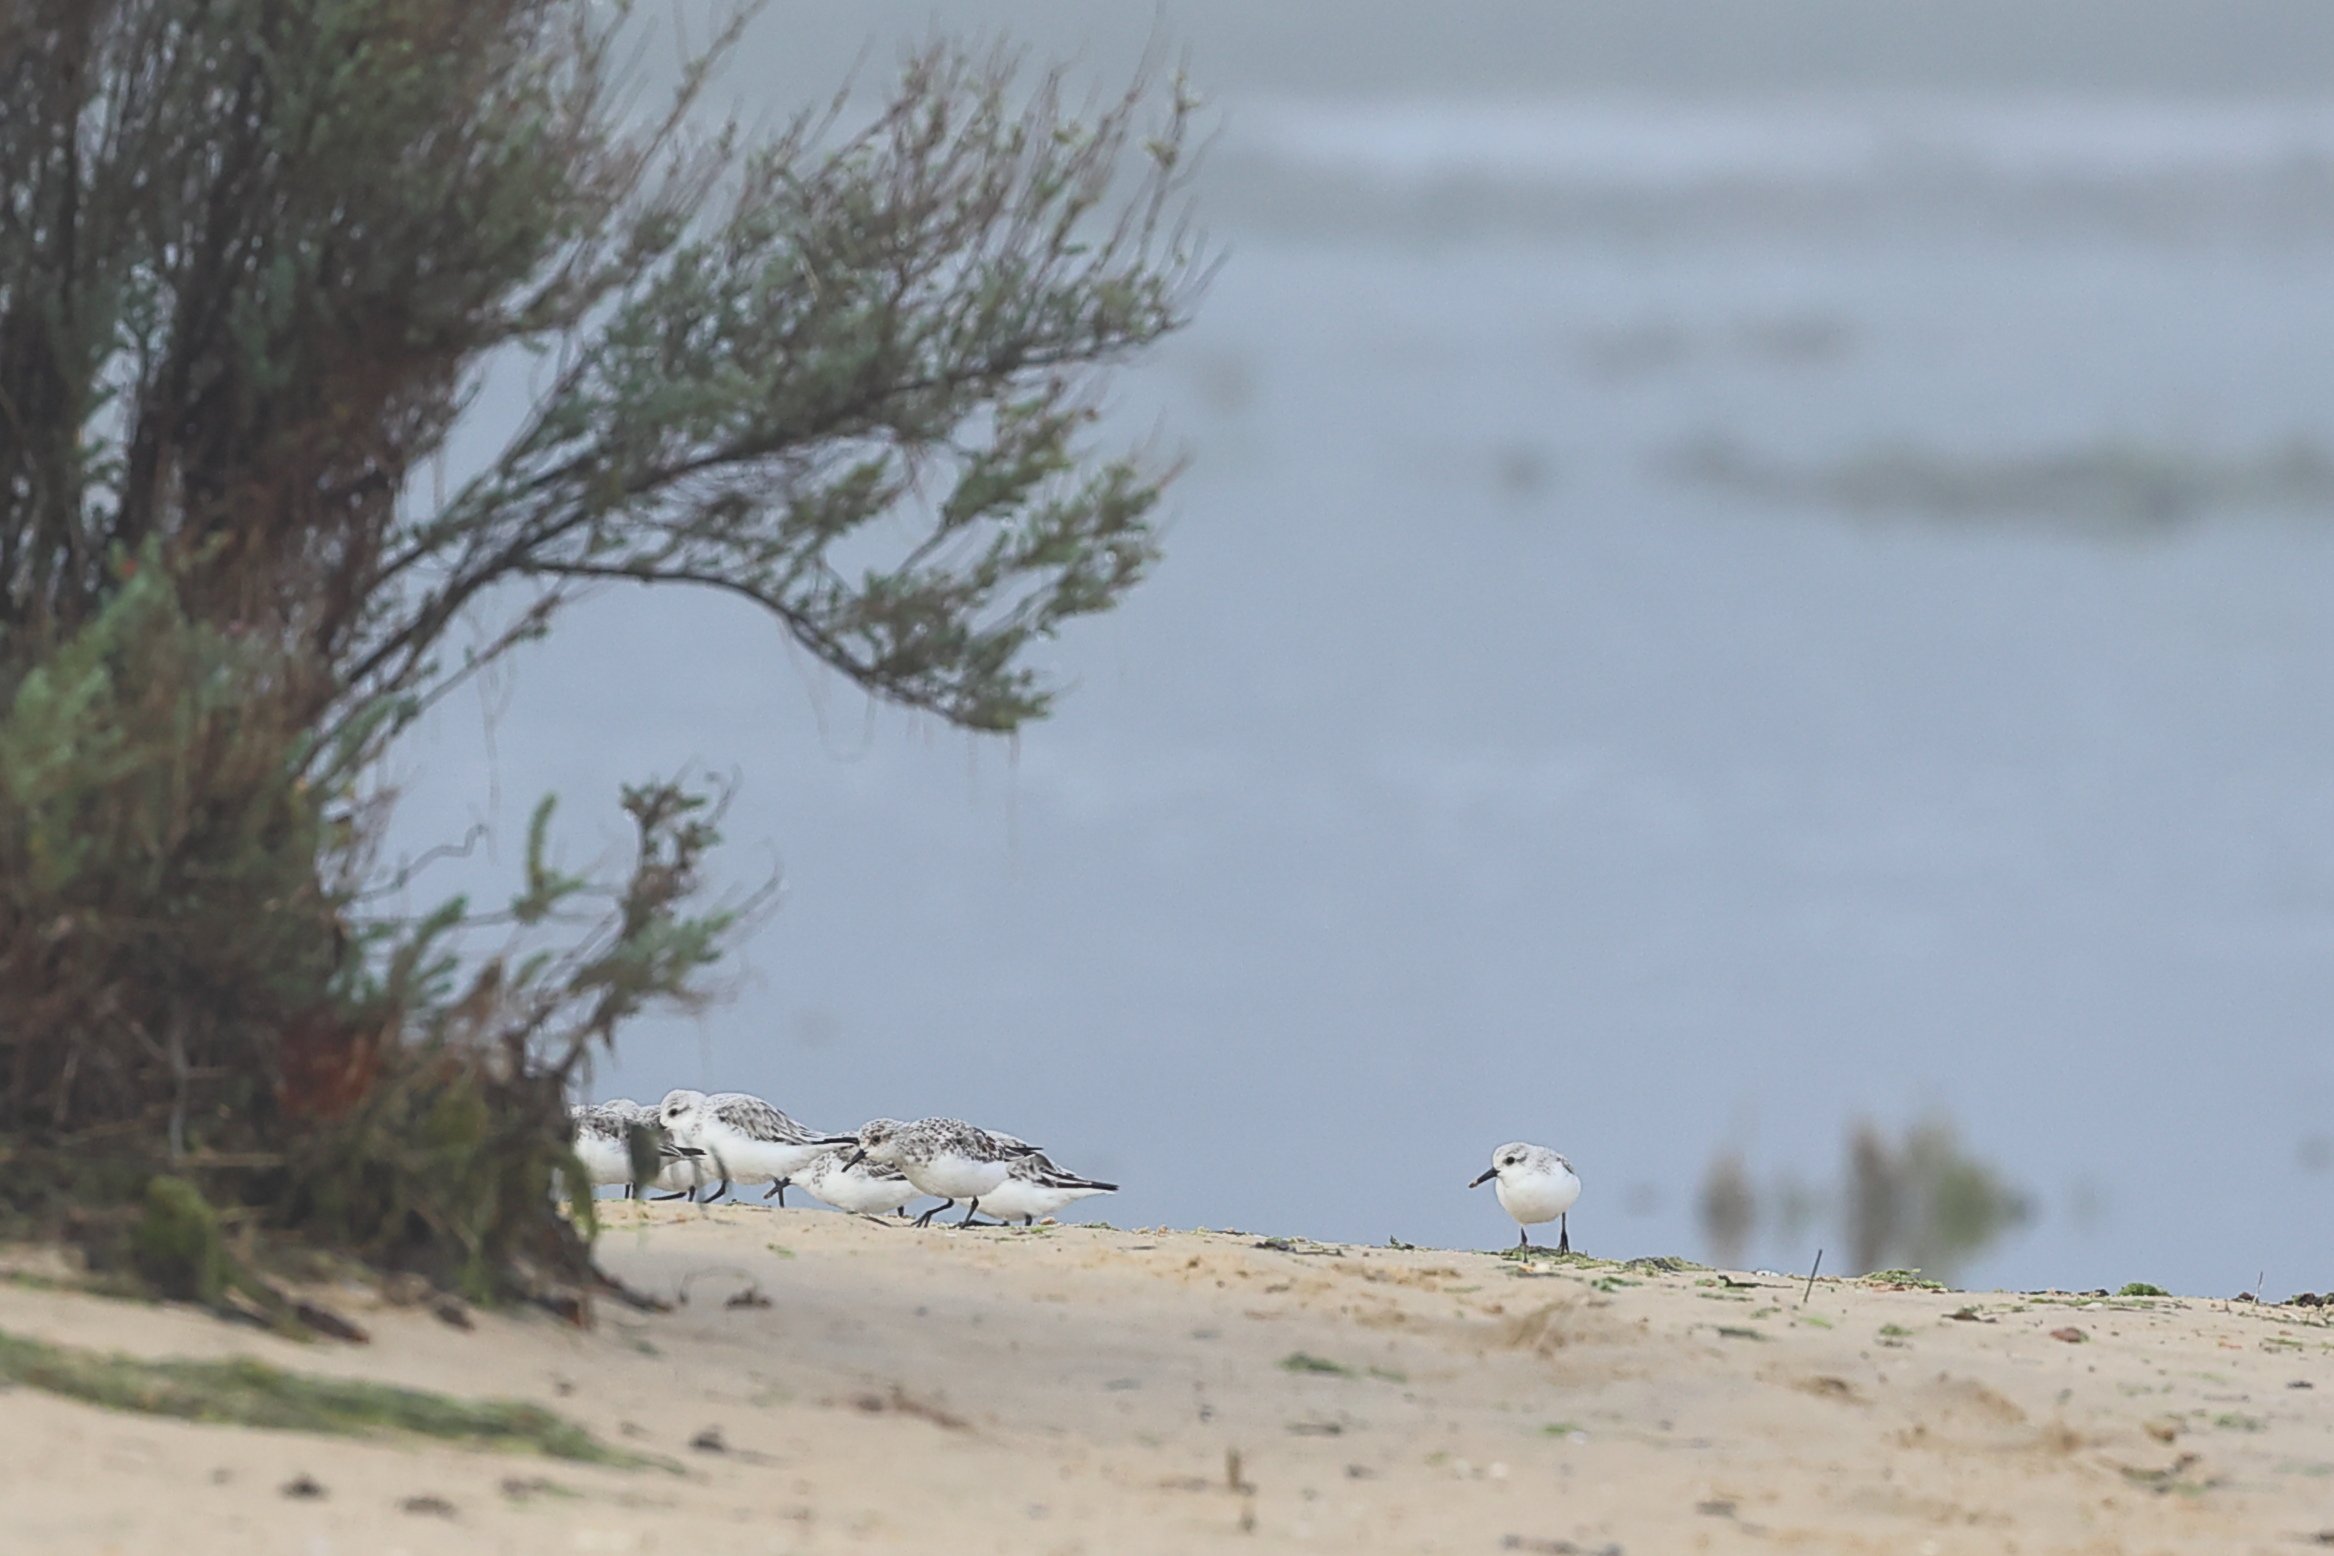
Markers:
<point>1082,1389</point>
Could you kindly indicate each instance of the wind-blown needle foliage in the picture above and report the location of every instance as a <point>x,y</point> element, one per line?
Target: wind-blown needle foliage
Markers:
<point>256,259</point>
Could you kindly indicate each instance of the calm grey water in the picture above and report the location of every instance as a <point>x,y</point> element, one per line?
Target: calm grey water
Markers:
<point>1475,770</point>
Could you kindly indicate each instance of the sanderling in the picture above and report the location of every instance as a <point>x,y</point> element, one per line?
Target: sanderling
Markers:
<point>748,1140</point>
<point>943,1156</point>
<point>603,1139</point>
<point>603,1144</point>
<point>867,1188</point>
<point>1034,1186</point>
<point>1535,1185</point>
<point>686,1170</point>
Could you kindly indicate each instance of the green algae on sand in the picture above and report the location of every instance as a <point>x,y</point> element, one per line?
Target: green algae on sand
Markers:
<point>241,1391</point>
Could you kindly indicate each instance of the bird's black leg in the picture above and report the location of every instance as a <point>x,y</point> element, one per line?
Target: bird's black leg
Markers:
<point>779,1189</point>
<point>1564,1232</point>
<point>968,1212</point>
<point>1523,1239</point>
<point>926,1218</point>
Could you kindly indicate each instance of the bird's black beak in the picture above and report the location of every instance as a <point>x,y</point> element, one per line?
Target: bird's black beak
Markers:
<point>853,1160</point>
<point>840,1140</point>
<point>1489,1173</point>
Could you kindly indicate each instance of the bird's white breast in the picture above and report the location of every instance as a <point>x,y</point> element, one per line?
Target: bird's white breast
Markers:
<point>604,1160</point>
<point>850,1189</point>
<point>954,1175</point>
<point>1532,1198</point>
<point>744,1159</point>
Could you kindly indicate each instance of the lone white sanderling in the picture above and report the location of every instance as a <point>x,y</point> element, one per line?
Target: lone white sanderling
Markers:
<point>747,1139</point>
<point>1535,1186</point>
<point>943,1156</point>
<point>1035,1186</point>
<point>867,1189</point>
<point>603,1144</point>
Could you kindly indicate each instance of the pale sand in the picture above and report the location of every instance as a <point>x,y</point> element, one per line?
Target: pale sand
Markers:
<point>1081,1390</point>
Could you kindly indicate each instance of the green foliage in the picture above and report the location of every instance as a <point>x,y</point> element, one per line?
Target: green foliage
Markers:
<point>1914,1203</point>
<point>1924,1202</point>
<point>176,1245</point>
<point>2140,1288</point>
<point>254,259</point>
<point>159,888</point>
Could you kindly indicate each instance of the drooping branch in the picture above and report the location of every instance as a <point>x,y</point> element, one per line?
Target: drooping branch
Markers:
<point>918,308</point>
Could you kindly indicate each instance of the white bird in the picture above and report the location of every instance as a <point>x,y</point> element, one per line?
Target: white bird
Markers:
<point>747,1140</point>
<point>1535,1186</point>
<point>686,1170</point>
<point>603,1144</point>
<point>867,1189</point>
<point>943,1156</point>
<point>1035,1186</point>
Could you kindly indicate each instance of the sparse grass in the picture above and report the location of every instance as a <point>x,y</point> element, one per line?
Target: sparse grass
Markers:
<point>2175,1478</point>
<point>119,1288</point>
<point>1736,1332</point>
<point>1535,1254</point>
<point>1561,1429</point>
<point>1912,1278</point>
<point>1894,1332</point>
<point>1816,1319</point>
<point>2238,1421</point>
<point>244,1392</point>
<point>1305,1361</point>
<point>2140,1288</point>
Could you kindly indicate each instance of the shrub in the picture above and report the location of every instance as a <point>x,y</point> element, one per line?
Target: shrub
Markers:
<point>254,257</point>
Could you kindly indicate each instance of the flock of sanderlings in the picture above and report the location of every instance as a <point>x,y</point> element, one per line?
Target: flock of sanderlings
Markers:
<point>700,1144</point>
<point>706,1145</point>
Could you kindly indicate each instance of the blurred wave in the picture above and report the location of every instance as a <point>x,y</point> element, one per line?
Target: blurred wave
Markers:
<point>2118,486</point>
<point>1662,144</point>
<point>1788,161</point>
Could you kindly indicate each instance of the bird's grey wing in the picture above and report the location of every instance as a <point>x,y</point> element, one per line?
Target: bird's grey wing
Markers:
<point>756,1119</point>
<point>596,1124</point>
<point>1041,1169</point>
